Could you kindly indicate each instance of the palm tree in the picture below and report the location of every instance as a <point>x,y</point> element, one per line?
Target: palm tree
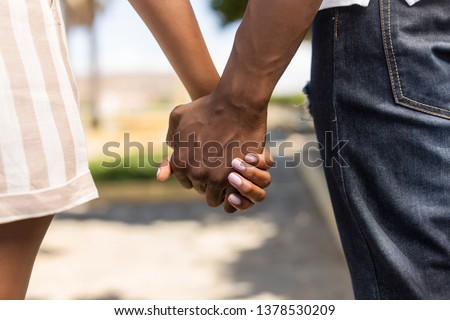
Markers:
<point>83,13</point>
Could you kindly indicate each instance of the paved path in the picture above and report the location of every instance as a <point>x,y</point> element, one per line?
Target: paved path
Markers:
<point>158,250</point>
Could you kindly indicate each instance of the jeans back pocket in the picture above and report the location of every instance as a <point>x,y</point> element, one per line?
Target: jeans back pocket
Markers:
<point>416,42</point>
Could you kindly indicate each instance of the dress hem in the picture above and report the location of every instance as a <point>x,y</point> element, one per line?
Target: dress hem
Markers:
<point>49,201</point>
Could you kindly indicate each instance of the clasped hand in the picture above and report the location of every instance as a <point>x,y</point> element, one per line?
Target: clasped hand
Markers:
<point>218,149</point>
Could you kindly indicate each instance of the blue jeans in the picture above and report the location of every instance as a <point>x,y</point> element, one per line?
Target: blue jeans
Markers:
<point>381,82</point>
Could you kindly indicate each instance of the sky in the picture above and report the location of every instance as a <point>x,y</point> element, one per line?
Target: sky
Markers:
<point>127,46</point>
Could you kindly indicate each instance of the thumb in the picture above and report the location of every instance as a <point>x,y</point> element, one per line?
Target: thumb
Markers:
<point>164,170</point>
<point>262,161</point>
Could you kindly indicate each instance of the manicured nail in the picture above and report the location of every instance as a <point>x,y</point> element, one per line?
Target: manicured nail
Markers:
<point>234,199</point>
<point>238,164</point>
<point>251,158</point>
<point>234,179</point>
<point>157,173</point>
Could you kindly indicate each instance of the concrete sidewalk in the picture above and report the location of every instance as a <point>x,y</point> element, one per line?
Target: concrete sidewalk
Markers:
<point>281,249</point>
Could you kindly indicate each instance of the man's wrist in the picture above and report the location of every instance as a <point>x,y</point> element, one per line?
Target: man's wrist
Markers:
<point>243,88</point>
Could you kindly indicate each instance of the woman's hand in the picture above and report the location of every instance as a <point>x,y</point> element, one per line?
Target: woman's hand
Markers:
<point>249,180</point>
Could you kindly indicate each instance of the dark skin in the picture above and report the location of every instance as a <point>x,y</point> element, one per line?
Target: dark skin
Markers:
<point>171,21</point>
<point>267,39</point>
<point>236,110</point>
<point>192,166</point>
<point>173,24</point>
<point>19,245</point>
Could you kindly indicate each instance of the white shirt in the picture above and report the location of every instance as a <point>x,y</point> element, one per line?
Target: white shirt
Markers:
<point>343,3</point>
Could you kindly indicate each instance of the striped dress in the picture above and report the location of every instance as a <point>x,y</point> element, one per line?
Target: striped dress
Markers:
<point>43,160</point>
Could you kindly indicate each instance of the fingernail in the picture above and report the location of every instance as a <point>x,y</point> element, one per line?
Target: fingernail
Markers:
<point>238,164</point>
<point>157,173</point>
<point>234,199</point>
<point>234,179</point>
<point>250,158</point>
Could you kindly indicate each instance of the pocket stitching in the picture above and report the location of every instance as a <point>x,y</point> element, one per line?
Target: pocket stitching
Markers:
<point>394,86</point>
<point>336,24</point>
<point>387,50</point>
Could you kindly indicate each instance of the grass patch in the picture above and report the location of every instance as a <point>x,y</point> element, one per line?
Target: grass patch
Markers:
<point>130,168</point>
<point>293,99</point>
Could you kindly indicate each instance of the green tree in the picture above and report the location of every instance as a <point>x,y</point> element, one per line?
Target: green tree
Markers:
<point>229,10</point>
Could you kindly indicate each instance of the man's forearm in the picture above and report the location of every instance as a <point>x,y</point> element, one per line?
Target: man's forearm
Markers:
<point>175,27</point>
<point>266,41</point>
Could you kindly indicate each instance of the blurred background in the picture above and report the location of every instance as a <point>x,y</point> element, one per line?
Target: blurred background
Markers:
<point>149,240</point>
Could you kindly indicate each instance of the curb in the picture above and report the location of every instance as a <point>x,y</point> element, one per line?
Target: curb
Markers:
<point>314,179</point>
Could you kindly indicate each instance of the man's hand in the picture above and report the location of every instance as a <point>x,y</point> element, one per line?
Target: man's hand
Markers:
<point>206,135</point>
<point>231,122</point>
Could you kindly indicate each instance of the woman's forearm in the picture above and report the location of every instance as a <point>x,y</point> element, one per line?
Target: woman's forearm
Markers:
<point>175,27</point>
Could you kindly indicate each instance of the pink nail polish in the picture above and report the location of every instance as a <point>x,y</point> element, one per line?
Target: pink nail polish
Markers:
<point>238,164</point>
<point>234,199</point>
<point>250,158</point>
<point>234,179</point>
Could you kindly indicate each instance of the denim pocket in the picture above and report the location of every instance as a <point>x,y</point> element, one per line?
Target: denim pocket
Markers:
<point>417,48</point>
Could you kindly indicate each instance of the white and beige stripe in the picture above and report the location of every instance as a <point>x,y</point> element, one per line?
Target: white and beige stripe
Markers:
<point>43,160</point>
